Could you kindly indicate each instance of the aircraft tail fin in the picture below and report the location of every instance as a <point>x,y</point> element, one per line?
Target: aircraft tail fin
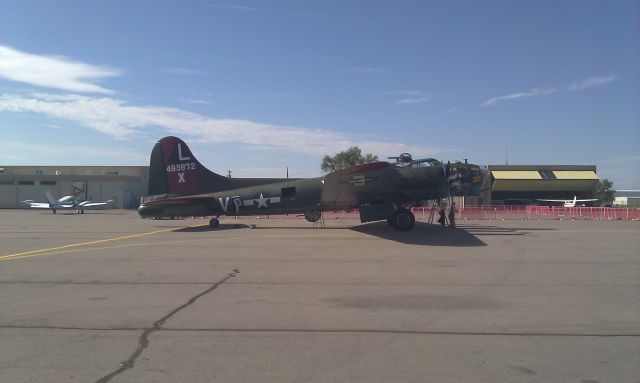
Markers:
<point>50,198</point>
<point>174,170</point>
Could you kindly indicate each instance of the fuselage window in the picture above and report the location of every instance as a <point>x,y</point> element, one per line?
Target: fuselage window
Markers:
<point>288,192</point>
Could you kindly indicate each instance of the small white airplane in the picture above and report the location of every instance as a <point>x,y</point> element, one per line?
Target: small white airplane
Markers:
<point>66,202</point>
<point>569,202</point>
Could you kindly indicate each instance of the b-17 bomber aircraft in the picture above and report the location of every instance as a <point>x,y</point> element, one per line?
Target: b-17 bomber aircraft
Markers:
<point>66,202</point>
<point>180,186</point>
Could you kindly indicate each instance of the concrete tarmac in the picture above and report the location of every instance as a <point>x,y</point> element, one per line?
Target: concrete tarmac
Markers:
<point>108,297</point>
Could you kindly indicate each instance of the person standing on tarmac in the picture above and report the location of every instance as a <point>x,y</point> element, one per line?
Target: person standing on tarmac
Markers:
<point>442,220</point>
<point>452,216</point>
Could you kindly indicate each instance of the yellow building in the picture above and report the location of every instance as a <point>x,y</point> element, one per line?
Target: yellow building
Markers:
<point>525,184</point>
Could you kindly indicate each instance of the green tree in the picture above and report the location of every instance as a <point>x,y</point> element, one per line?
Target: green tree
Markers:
<point>604,192</point>
<point>350,157</point>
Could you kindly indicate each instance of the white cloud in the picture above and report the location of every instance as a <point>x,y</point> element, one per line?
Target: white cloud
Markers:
<point>412,100</point>
<point>591,82</point>
<point>121,120</point>
<point>184,71</point>
<point>575,87</point>
<point>366,70</point>
<point>194,101</point>
<point>530,93</point>
<point>410,96</point>
<point>55,72</point>
<point>20,153</point>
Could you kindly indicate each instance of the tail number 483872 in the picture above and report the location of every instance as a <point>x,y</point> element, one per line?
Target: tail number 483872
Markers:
<point>181,167</point>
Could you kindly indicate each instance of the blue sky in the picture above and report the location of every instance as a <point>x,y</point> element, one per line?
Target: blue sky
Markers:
<point>255,86</point>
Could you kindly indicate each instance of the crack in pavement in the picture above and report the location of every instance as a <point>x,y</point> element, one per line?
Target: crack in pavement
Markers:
<point>315,283</point>
<point>339,331</point>
<point>143,341</point>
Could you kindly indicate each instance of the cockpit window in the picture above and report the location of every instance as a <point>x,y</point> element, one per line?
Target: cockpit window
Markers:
<point>425,163</point>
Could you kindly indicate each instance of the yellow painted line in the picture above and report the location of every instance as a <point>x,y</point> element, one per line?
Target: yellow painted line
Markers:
<point>78,250</point>
<point>66,250</point>
<point>50,249</point>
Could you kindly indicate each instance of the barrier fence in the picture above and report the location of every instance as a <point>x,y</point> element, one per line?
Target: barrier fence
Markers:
<point>499,213</point>
<point>541,212</point>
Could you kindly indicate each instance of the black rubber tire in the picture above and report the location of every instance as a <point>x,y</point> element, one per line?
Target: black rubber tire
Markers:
<point>403,220</point>
<point>213,223</point>
<point>312,215</point>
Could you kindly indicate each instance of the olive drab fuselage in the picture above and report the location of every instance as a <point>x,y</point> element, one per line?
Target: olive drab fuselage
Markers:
<point>179,186</point>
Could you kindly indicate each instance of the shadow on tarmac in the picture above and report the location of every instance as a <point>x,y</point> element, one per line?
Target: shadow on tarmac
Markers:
<point>422,234</point>
<point>205,227</point>
<point>69,212</point>
<point>496,230</point>
<point>436,235</point>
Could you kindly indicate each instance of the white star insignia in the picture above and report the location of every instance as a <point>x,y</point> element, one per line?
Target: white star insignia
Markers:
<point>262,201</point>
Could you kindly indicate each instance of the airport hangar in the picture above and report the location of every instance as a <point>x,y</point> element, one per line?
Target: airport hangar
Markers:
<point>509,184</point>
<point>524,184</point>
<point>122,184</point>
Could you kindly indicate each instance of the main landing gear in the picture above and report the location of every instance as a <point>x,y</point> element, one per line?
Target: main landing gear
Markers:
<point>312,215</point>
<point>402,220</point>
<point>214,222</point>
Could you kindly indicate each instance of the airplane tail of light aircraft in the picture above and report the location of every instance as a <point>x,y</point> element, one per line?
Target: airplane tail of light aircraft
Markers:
<point>66,202</point>
<point>569,202</point>
<point>180,186</point>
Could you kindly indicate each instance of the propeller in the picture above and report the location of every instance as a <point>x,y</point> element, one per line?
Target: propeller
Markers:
<point>445,173</point>
<point>485,176</point>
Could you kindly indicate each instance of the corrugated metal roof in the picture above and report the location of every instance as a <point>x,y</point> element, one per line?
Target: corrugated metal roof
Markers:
<point>516,174</point>
<point>542,167</point>
<point>569,186</point>
<point>575,175</point>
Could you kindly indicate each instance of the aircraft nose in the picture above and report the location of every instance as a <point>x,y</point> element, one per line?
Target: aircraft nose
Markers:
<point>477,176</point>
<point>465,179</point>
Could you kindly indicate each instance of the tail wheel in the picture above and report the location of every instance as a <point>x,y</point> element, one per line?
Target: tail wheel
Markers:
<point>213,223</point>
<point>403,220</point>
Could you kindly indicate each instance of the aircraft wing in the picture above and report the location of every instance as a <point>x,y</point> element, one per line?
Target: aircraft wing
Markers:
<point>555,200</point>
<point>351,186</point>
<point>36,205</point>
<point>586,200</point>
<point>197,205</point>
<point>90,204</point>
